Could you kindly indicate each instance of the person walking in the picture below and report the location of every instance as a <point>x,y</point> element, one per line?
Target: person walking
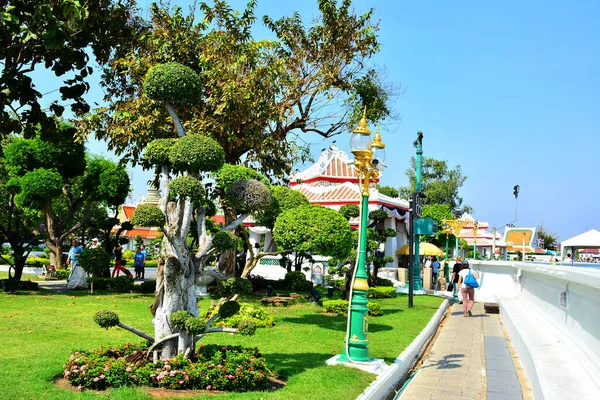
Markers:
<point>468,292</point>
<point>435,267</point>
<point>77,277</point>
<point>145,254</point>
<point>119,263</point>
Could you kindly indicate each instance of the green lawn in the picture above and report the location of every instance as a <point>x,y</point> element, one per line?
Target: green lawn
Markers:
<point>40,330</point>
<point>25,277</point>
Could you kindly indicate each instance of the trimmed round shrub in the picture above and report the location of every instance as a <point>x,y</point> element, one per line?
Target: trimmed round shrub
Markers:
<point>249,195</point>
<point>179,318</point>
<point>233,286</point>
<point>229,309</point>
<point>197,153</point>
<point>148,286</point>
<point>375,309</point>
<point>283,198</point>
<point>195,326</point>
<point>186,187</point>
<point>257,314</point>
<point>381,292</point>
<point>148,215</point>
<point>383,282</point>
<point>106,319</point>
<point>296,280</point>
<point>378,215</point>
<point>350,211</point>
<point>94,261</point>
<point>223,240</point>
<point>228,174</point>
<point>173,83</point>
<point>39,186</point>
<point>157,152</point>
<point>246,327</point>
<point>339,307</point>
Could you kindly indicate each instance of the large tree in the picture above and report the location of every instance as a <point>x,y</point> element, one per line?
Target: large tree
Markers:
<point>64,37</point>
<point>181,164</point>
<point>57,178</point>
<point>19,226</point>
<point>439,182</point>
<point>258,94</point>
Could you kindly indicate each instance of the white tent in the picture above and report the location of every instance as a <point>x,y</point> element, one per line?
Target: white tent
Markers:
<point>589,239</point>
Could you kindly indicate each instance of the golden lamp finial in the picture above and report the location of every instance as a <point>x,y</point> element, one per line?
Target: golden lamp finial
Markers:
<point>377,139</point>
<point>362,125</point>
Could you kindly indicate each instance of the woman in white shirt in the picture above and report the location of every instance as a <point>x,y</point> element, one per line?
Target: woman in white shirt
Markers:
<point>468,292</point>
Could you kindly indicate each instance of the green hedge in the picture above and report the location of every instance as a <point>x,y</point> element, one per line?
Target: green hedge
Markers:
<point>62,274</point>
<point>340,307</point>
<point>382,292</point>
<point>121,284</point>
<point>296,280</point>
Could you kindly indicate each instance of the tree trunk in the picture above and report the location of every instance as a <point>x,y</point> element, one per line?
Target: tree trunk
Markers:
<point>19,263</point>
<point>56,251</point>
<point>228,259</point>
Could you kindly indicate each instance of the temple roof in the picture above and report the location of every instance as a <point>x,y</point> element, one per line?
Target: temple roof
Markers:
<point>347,193</point>
<point>332,166</point>
<point>516,237</point>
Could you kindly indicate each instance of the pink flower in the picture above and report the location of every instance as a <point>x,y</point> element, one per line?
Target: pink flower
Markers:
<point>79,388</point>
<point>224,348</point>
<point>208,387</point>
<point>133,376</point>
<point>106,367</point>
<point>168,367</point>
<point>75,371</point>
<point>102,376</point>
<point>126,347</point>
<point>173,373</point>
<point>128,369</point>
<point>67,373</point>
<point>181,382</point>
<point>96,379</point>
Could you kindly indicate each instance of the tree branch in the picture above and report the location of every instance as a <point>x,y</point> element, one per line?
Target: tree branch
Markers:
<point>176,120</point>
<point>136,331</point>
<point>161,341</point>
<point>225,330</point>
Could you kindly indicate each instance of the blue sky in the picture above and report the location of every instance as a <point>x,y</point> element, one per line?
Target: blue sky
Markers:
<point>508,90</point>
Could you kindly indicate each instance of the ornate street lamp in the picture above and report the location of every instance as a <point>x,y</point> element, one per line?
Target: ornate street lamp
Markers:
<point>475,227</point>
<point>447,231</point>
<point>369,157</point>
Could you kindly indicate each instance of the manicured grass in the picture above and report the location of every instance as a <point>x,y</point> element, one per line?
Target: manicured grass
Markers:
<point>40,330</point>
<point>25,277</point>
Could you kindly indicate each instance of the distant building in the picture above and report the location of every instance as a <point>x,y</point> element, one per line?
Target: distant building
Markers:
<point>519,239</point>
<point>486,242</point>
<point>126,212</point>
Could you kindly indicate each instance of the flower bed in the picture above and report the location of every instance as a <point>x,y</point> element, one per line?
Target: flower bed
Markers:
<point>229,368</point>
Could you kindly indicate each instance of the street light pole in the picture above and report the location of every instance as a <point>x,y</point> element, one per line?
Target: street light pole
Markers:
<point>369,159</point>
<point>475,227</point>
<point>418,144</point>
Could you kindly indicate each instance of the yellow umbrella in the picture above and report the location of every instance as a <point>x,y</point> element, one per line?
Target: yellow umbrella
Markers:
<point>425,249</point>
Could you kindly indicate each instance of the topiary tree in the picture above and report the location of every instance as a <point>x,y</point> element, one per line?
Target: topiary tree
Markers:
<point>283,198</point>
<point>314,229</point>
<point>181,165</point>
<point>350,211</point>
<point>94,262</point>
<point>60,180</point>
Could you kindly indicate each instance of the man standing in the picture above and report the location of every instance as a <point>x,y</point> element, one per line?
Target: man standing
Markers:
<point>95,244</point>
<point>435,267</point>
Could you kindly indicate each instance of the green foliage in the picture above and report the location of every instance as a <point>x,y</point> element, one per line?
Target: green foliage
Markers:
<point>249,195</point>
<point>128,254</point>
<point>39,187</point>
<point>179,318</point>
<point>249,312</point>
<point>173,83</point>
<point>63,37</point>
<point>228,174</point>
<point>148,286</point>
<point>106,319</point>
<point>296,280</point>
<point>121,284</point>
<point>196,153</point>
<point>383,282</point>
<point>388,191</point>
<point>549,237</point>
<point>382,292</point>
<point>62,274</point>
<point>108,180</point>
<point>340,307</point>
<point>379,215</point>
<point>350,211</point>
<point>148,215</point>
<point>186,187</point>
<point>94,261</point>
<point>224,240</point>
<point>229,309</point>
<point>233,286</point>
<point>157,152</point>
<point>439,183</point>
<point>314,229</point>
<point>247,327</point>
<point>283,199</point>
<point>195,326</point>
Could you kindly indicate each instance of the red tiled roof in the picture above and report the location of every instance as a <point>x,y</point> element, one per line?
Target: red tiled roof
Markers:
<point>128,211</point>
<point>218,219</point>
<point>339,169</point>
<point>145,233</point>
<point>336,194</point>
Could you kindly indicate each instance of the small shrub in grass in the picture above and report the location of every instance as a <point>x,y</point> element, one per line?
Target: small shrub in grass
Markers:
<point>340,307</point>
<point>383,282</point>
<point>28,285</point>
<point>121,284</point>
<point>63,274</point>
<point>147,286</point>
<point>100,283</point>
<point>382,292</point>
<point>248,312</point>
<point>296,280</point>
<point>233,286</point>
<point>230,368</point>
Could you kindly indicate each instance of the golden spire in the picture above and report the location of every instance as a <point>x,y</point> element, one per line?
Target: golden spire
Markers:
<point>377,139</point>
<point>362,125</point>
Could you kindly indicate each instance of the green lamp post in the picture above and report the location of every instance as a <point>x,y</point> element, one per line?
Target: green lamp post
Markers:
<point>418,144</point>
<point>369,159</point>
<point>447,231</point>
<point>475,227</point>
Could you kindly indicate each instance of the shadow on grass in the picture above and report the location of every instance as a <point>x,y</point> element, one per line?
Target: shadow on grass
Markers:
<point>289,364</point>
<point>335,323</point>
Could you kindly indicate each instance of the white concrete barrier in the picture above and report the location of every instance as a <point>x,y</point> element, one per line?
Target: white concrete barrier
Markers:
<point>555,306</point>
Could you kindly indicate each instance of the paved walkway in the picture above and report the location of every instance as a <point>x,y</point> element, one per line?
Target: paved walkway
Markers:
<point>469,360</point>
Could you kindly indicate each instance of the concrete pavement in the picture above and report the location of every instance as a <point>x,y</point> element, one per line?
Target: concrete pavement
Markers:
<point>469,360</point>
